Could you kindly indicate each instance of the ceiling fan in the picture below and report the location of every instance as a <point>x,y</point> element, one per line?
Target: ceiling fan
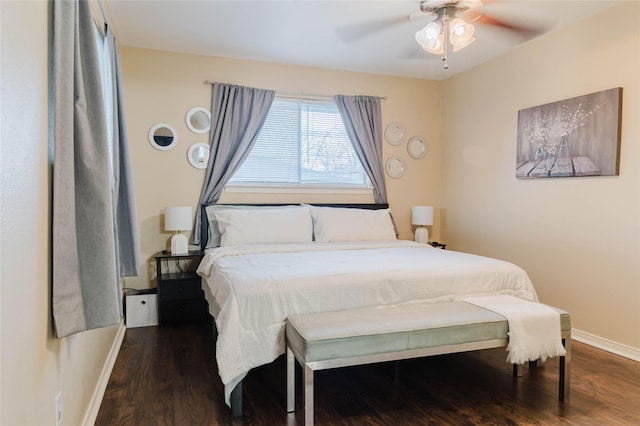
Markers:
<point>452,23</point>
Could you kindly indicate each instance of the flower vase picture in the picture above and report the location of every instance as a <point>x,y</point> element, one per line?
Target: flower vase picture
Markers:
<point>574,137</point>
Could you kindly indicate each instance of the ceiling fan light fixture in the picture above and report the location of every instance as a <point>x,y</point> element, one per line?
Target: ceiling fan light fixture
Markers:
<point>435,46</point>
<point>429,34</point>
<point>430,38</point>
<point>461,32</point>
<point>432,30</point>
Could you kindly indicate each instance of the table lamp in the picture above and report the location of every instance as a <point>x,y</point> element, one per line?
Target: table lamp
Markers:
<point>422,216</point>
<point>178,219</point>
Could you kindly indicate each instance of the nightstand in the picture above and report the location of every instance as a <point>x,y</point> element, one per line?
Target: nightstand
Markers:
<point>180,297</point>
<point>438,245</point>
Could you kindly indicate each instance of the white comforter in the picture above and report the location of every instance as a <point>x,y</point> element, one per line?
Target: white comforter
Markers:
<point>251,290</point>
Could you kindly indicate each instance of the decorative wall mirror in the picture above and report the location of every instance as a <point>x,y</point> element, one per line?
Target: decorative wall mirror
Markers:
<point>198,155</point>
<point>198,120</point>
<point>394,167</point>
<point>163,136</point>
<point>417,147</point>
<point>394,133</point>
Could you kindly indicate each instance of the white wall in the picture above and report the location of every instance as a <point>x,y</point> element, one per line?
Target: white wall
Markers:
<point>578,238</point>
<point>35,365</point>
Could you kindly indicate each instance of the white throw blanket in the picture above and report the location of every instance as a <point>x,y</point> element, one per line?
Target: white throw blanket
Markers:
<point>534,328</point>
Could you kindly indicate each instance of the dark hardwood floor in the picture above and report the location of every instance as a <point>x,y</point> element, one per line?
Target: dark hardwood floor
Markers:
<point>167,376</point>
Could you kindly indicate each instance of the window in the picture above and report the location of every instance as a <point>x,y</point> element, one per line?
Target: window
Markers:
<point>107,85</point>
<point>302,143</point>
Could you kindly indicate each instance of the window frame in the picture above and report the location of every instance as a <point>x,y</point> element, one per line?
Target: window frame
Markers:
<point>300,188</point>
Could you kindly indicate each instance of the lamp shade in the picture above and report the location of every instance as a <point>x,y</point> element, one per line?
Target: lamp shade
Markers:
<point>422,215</point>
<point>177,218</point>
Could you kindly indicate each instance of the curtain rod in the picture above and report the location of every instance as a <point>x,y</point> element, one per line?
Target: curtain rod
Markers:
<point>299,95</point>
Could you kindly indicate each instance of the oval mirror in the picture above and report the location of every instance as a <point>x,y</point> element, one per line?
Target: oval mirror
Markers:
<point>163,136</point>
<point>198,155</point>
<point>198,120</point>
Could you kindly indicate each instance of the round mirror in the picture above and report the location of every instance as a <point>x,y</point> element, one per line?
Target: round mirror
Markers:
<point>198,120</point>
<point>198,155</point>
<point>394,134</point>
<point>395,167</point>
<point>163,136</point>
<point>417,147</point>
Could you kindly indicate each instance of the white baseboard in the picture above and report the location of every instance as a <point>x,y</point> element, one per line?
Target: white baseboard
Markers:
<point>606,345</point>
<point>94,405</point>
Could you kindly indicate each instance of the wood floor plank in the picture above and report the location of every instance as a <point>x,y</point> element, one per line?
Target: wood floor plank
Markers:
<point>168,376</point>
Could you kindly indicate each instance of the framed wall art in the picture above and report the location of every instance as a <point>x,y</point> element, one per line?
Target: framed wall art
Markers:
<point>574,137</point>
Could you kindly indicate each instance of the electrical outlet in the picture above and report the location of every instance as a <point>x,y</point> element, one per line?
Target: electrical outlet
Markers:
<point>59,408</point>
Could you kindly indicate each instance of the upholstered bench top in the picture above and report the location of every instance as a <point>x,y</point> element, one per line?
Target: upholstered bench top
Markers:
<point>342,334</point>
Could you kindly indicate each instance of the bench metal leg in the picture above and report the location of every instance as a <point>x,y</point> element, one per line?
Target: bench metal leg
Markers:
<point>308,395</point>
<point>565,371</point>
<point>236,400</point>
<point>291,381</point>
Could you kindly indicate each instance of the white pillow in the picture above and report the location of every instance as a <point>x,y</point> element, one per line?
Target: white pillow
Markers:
<point>213,239</point>
<point>335,224</point>
<point>264,226</point>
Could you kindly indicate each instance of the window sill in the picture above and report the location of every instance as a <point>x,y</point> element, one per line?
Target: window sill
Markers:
<point>295,189</point>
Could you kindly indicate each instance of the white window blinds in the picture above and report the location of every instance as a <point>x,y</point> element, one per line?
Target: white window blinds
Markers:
<point>302,143</point>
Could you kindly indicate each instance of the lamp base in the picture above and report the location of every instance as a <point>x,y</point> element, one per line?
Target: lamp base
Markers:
<point>179,244</point>
<point>422,235</point>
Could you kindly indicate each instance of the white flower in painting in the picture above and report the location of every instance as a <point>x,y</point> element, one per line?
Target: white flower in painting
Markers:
<point>538,131</point>
<point>562,123</point>
<point>566,121</point>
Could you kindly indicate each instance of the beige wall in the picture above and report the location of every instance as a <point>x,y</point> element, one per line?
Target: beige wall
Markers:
<point>34,364</point>
<point>578,238</point>
<point>162,86</point>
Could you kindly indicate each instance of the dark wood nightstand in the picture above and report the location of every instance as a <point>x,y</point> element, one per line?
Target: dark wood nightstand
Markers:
<point>438,245</point>
<point>180,296</point>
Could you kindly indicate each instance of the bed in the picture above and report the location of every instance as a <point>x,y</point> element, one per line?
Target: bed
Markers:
<point>263,263</point>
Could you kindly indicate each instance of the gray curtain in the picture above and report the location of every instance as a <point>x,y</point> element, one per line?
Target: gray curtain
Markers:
<point>126,223</point>
<point>363,121</point>
<point>237,115</point>
<point>86,288</point>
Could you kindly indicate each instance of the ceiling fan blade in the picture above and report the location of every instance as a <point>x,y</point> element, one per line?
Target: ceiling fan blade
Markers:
<point>355,32</point>
<point>524,30</point>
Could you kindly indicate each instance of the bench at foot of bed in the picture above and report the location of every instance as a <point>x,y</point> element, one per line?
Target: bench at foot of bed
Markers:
<point>345,338</point>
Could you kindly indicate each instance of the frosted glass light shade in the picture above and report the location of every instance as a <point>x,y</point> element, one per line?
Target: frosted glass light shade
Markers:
<point>422,215</point>
<point>177,218</point>
<point>430,38</point>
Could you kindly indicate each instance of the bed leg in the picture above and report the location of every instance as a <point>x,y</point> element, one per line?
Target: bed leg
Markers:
<point>518,370</point>
<point>236,400</point>
<point>291,381</point>
<point>565,370</point>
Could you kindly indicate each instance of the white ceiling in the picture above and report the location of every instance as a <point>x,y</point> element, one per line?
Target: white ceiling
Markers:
<point>307,32</point>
